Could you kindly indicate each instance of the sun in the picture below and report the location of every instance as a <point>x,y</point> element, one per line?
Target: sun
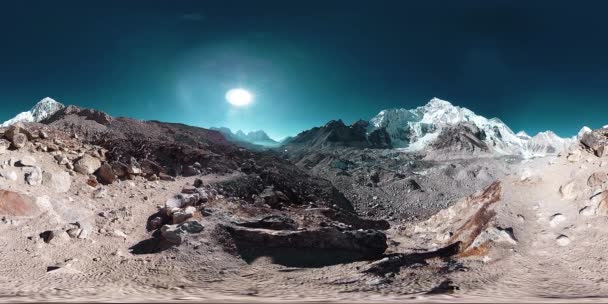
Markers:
<point>239,97</point>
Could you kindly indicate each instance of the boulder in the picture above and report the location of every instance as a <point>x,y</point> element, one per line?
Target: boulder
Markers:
<point>150,167</point>
<point>120,169</point>
<point>166,177</point>
<point>556,220</point>
<point>362,243</point>
<point>54,236</point>
<point>106,175</point>
<point>87,164</point>
<point>16,204</point>
<point>61,159</point>
<point>596,141</point>
<point>599,203</point>
<point>60,181</point>
<point>74,232</point>
<point>190,171</point>
<point>133,168</point>
<point>182,215</point>
<point>597,179</point>
<point>19,141</point>
<point>33,176</point>
<point>273,222</point>
<point>176,234</point>
<point>27,161</point>
<point>10,175</point>
<point>273,198</point>
<point>12,131</point>
<point>562,240</point>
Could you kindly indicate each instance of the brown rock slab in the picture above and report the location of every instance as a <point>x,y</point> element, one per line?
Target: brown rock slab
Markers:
<point>16,204</point>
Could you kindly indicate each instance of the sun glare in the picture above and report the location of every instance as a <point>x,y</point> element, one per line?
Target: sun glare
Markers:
<point>239,97</point>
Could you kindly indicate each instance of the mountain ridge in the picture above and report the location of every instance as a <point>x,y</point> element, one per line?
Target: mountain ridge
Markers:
<point>420,129</point>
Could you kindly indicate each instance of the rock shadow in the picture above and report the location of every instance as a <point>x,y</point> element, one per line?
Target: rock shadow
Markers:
<point>298,257</point>
<point>155,244</point>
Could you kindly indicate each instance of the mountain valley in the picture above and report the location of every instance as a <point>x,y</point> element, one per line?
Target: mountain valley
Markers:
<point>431,204</point>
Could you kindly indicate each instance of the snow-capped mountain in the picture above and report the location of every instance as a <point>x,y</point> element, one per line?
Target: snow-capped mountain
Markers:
<point>41,111</point>
<point>417,129</point>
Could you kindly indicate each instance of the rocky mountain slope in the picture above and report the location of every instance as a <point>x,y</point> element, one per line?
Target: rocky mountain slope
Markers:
<point>41,111</point>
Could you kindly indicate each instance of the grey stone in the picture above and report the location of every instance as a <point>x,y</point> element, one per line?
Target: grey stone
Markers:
<point>87,164</point>
<point>60,181</point>
<point>33,176</point>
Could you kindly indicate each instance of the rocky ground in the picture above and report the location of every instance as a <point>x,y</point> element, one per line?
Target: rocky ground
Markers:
<point>96,208</point>
<point>401,187</point>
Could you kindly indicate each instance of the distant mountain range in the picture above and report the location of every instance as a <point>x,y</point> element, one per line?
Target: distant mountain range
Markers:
<point>435,128</point>
<point>259,138</point>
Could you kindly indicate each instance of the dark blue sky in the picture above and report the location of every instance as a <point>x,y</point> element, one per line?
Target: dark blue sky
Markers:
<point>537,65</point>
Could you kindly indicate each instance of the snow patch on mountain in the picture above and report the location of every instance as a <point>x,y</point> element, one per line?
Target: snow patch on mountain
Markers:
<point>41,111</point>
<point>416,129</point>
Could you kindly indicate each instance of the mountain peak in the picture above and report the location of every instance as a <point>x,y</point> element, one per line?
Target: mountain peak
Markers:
<point>42,110</point>
<point>439,103</point>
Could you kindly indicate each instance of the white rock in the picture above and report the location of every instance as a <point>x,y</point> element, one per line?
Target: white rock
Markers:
<point>568,190</point>
<point>10,175</point>
<point>562,240</point>
<point>182,215</point>
<point>27,161</point>
<point>60,181</point>
<point>557,219</point>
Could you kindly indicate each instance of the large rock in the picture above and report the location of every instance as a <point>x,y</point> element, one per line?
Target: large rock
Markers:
<point>597,179</point>
<point>150,167</point>
<point>33,176</point>
<point>176,234</point>
<point>596,141</point>
<point>120,169</point>
<point>599,203</point>
<point>364,243</point>
<point>182,215</point>
<point>19,141</point>
<point>60,181</point>
<point>106,174</point>
<point>27,161</point>
<point>87,164</point>
<point>55,236</point>
<point>133,168</point>
<point>469,223</point>
<point>15,204</point>
<point>15,134</point>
